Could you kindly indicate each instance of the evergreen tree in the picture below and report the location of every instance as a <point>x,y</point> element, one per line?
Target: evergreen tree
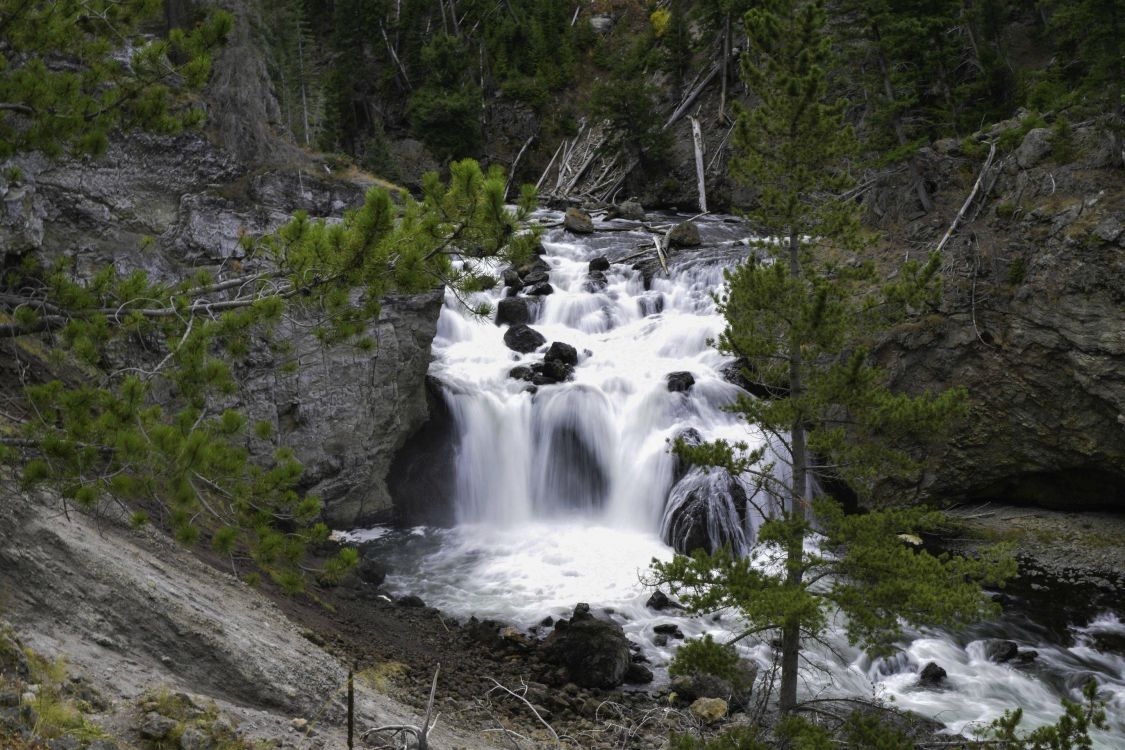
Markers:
<point>801,319</point>
<point>61,88</point>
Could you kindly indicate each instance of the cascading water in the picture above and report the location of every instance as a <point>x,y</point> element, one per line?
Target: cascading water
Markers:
<point>565,492</point>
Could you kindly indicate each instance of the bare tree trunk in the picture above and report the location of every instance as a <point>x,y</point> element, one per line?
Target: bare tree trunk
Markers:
<point>304,96</point>
<point>726,67</point>
<point>697,138</point>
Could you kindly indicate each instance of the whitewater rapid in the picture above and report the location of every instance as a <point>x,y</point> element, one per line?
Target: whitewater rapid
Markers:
<point>560,493</point>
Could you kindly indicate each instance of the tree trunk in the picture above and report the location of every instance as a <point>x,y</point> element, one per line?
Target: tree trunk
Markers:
<point>726,67</point>
<point>796,512</point>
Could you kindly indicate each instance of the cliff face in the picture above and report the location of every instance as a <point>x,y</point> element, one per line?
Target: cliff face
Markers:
<point>171,205</point>
<point>1033,323</point>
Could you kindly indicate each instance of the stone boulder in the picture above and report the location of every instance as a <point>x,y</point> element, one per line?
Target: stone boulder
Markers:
<point>601,263</point>
<point>1000,651</point>
<point>706,510</point>
<point>931,676</point>
<point>560,352</point>
<point>1035,147</point>
<point>685,234</point>
<point>631,210</point>
<point>578,222</point>
<point>541,289</point>
<point>638,674</point>
<point>535,272</point>
<point>709,710</point>
<point>661,601</point>
<point>680,382</point>
<point>523,339</point>
<point>590,652</point>
<point>512,280</point>
<point>513,311</point>
<point>596,281</point>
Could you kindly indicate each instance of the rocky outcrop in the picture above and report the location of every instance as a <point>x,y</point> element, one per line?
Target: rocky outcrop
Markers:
<point>590,652</point>
<point>133,611</point>
<point>174,205</point>
<point>1032,324</point>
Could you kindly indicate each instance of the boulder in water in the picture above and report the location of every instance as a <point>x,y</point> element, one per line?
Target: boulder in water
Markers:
<point>661,601</point>
<point>706,510</point>
<point>680,382</point>
<point>513,311</point>
<point>578,222</point>
<point>542,289</point>
<point>551,372</point>
<point>685,234</point>
<point>595,282</point>
<point>601,263</point>
<point>931,676</point>
<point>411,602</point>
<point>1000,651</point>
<point>523,339</point>
<point>560,352</point>
<point>590,652</point>
<point>371,571</point>
<point>512,279</point>
<point>670,629</point>
<point>631,210</point>
<point>523,372</point>
<point>681,466</point>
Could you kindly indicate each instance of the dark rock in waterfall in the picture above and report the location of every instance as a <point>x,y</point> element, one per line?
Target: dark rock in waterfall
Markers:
<point>523,372</point>
<point>523,339</point>
<point>1026,657</point>
<point>534,271</point>
<point>681,466</point>
<point>670,629</point>
<point>560,352</point>
<point>638,674</point>
<point>547,621</point>
<point>578,222</point>
<point>589,652</point>
<point>601,263</point>
<point>574,469</point>
<point>1000,651</point>
<point>551,372</point>
<point>742,373</point>
<point>690,688</point>
<point>651,303</point>
<point>421,478</point>
<point>541,289</point>
<point>931,676</point>
<point>411,602</point>
<point>595,282</point>
<point>706,510</point>
<point>680,382</point>
<point>512,279</point>
<point>660,641</point>
<point>685,234</point>
<point>513,311</point>
<point>661,601</point>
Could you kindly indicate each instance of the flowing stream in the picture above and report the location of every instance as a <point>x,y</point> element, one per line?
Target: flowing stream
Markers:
<point>563,494</point>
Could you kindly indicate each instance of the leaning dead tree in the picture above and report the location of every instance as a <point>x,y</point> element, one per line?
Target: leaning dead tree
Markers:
<point>593,164</point>
<point>408,735</point>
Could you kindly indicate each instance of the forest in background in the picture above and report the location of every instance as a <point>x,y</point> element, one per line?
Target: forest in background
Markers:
<point>355,77</point>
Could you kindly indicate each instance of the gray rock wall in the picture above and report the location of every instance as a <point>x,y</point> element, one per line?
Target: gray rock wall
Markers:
<point>171,205</point>
<point>1033,325</point>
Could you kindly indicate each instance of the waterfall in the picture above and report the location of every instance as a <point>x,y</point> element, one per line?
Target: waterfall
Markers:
<point>564,492</point>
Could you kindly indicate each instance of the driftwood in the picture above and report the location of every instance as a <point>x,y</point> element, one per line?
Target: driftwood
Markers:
<point>968,201</point>
<point>550,164</point>
<point>421,734</point>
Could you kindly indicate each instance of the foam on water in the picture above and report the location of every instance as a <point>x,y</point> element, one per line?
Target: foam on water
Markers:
<point>561,494</point>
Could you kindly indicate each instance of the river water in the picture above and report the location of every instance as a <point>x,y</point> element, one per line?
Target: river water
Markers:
<point>561,494</point>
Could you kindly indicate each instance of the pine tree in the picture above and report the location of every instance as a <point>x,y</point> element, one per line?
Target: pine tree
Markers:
<point>62,89</point>
<point>801,317</point>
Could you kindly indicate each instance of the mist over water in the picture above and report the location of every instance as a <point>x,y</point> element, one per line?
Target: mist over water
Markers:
<point>565,495</point>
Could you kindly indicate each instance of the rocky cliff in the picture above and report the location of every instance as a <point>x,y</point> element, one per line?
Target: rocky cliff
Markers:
<point>172,205</point>
<point>1033,321</point>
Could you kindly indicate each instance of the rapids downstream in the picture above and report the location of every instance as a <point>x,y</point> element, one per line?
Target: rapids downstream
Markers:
<point>565,494</point>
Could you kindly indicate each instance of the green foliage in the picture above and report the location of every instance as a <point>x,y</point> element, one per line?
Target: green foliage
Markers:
<point>705,656</point>
<point>802,317</point>
<point>159,436</point>
<point>1070,732</point>
<point>62,88</point>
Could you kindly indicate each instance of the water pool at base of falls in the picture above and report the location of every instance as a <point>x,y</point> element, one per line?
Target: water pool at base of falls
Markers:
<point>562,492</point>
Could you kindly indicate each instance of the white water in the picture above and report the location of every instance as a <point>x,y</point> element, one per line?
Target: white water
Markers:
<point>561,494</point>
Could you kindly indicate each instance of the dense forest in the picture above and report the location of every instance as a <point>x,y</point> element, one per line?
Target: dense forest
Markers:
<point>354,75</point>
